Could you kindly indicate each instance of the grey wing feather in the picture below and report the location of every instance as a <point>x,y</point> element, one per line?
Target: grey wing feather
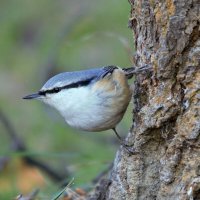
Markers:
<point>67,78</point>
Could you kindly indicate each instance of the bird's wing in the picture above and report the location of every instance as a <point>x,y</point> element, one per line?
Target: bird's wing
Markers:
<point>67,78</point>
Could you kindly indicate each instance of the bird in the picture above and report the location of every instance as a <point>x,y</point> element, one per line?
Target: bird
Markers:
<point>91,100</point>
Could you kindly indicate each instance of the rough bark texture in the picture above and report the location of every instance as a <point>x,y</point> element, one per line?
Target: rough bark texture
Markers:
<point>166,124</point>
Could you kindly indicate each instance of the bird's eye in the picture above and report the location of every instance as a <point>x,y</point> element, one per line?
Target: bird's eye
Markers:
<point>42,93</point>
<point>56,90</point>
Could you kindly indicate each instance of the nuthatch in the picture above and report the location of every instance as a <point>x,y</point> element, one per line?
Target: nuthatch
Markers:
<point>89,100</point>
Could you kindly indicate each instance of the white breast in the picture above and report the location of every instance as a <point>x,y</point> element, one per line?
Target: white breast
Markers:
<point>80,108</point>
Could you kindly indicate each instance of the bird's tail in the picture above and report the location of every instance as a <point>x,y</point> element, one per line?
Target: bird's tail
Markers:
<point>136,70</point>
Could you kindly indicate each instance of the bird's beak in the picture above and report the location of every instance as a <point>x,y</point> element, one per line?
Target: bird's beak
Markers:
<point>32,96</point>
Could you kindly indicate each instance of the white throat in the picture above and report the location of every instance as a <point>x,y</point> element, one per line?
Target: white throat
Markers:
<point>76,105</point>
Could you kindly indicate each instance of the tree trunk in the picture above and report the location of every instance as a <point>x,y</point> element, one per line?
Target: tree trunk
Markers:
<point>166,125</point>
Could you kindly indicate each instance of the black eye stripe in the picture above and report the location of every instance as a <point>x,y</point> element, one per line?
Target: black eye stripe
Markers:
<point>42,93</point>
<point>72,85</point>
<point>57,89</point>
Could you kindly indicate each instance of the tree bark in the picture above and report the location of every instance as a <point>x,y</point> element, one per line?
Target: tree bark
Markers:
<point>166,124</point>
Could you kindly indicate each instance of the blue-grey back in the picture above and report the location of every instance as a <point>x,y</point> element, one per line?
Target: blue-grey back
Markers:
<point>67,78</point>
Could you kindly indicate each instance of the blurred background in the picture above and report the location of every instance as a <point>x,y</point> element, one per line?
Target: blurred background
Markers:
<point>37,40</point>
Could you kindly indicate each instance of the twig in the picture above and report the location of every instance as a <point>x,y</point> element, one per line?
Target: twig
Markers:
<point>31,196</point>
<point>19,146</point>
<point>62,191</point>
